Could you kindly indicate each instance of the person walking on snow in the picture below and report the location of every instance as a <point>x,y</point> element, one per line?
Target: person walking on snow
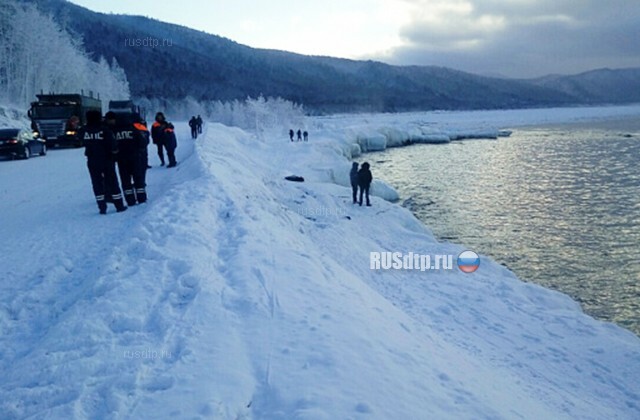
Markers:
<point>199,124</point>
<point>193,123</point>
<point>299,133</point>
<point>291,133</point>
<point>306,136</point>
<point>353,176</point>
<point>364,182</point>
<point>100,148</point>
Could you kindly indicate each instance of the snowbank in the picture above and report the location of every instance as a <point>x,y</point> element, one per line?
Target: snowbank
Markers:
<point>371,141</point>
<point>236,294</point>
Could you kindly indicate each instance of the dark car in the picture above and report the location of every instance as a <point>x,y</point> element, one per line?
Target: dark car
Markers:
<point>20,143</point>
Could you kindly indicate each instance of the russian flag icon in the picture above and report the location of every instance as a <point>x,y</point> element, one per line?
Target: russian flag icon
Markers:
<point>468,261</point>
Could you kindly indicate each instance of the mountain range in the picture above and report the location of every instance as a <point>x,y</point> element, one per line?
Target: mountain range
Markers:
<point>187,62</point>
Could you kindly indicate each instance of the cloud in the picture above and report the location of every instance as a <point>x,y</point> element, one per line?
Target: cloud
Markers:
<point>519,38</point>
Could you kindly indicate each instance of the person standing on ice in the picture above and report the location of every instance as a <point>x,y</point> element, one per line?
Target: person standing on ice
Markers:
<point>291,133</point>
<point>100,148</point>
<point>157,135</point>
<point>353,177</point>
<point>364,182</point>
<point>306,136</point>
<point>199,124</point>
<point>299,133</point>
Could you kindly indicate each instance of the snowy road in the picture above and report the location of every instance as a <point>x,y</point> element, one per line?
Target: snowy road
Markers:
<point>236,294</point>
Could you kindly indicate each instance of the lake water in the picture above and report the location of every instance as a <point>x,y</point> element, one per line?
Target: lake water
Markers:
<point>559,206</point>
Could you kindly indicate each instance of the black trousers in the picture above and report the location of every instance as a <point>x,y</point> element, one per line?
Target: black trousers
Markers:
<point>140,176</point>
<point>354,189</point>
<point>171,153</point>
<point>160,152</point>
<point>105,183</point>
<point>194,132</point>
<point>133,172</point>
<point>364,189</point>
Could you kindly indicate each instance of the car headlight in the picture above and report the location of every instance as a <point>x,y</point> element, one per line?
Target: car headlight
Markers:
<point>36,134</point>
<point>71,133</point>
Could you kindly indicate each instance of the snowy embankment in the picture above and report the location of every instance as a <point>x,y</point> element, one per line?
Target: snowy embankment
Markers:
<point>236,294</point>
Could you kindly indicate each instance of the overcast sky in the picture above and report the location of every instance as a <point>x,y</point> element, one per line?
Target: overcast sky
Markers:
<point>517,38</point>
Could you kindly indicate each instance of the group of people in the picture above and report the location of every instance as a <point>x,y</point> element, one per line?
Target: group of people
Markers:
<point>110,141</point>
<point>300,135</point>
<point>196,126</point>
<point>360,179</point>
<point>122,140</point>
<point>164,137</point>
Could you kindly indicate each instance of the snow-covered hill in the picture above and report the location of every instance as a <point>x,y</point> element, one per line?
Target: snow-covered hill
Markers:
<point>236,294</point>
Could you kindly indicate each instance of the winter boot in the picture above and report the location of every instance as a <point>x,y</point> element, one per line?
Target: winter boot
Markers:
<point>120,207</point>
<point>102,206</point>
<point>141,193</point>
<point>130,197</point>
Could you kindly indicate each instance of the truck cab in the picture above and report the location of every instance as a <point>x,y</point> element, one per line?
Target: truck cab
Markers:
<point>56,118</point>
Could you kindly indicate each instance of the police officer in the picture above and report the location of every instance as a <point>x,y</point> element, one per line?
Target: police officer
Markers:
<point>140,174</point>
<point>131,165</point>
<point>100,150</point>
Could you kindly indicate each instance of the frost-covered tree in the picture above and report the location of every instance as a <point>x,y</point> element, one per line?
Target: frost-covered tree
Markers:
<point>38,55</point>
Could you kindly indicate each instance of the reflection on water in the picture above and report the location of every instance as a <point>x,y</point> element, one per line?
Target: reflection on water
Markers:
<point>560,207</point>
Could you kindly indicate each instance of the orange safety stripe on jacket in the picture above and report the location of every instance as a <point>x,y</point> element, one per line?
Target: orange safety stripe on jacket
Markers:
<point>156,124</point>
<point>140,126</point>
<point>170,130</point>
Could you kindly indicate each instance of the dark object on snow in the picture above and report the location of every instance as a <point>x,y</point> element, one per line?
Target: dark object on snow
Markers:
<point>299,135</point>
<point>306,136</point>
<point>291,134</point>
<point>294,178</point>
<point>364,182</point>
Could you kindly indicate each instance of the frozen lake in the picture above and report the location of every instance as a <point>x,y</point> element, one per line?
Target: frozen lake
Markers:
<point>559,205</point>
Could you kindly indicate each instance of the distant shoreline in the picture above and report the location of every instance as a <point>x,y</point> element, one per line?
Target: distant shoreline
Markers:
<point>621,123</point>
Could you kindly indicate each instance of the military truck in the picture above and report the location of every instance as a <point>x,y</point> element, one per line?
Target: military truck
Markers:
<point>56,118</point>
